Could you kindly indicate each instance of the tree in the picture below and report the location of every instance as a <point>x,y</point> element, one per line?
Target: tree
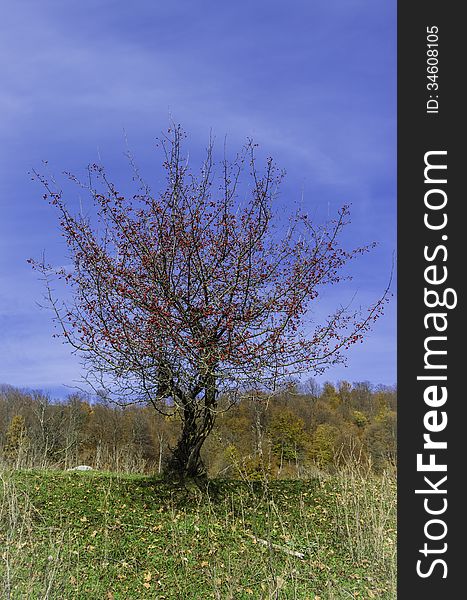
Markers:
<point>16,439</point>
<point>381,439</point>
<point>324,444</point>
<point>287,435</point>
<point>181,296</point>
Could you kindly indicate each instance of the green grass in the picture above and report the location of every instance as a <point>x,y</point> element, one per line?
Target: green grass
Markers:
<point>103,536</point>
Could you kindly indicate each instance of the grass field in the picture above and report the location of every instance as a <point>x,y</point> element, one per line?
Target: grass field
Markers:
<point>102,536</point>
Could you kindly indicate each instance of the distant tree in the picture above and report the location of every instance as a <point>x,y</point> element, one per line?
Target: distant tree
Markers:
<point>324,444</point>
<point>77,413</point>
<point>363,398</point>
<point>331,396</point>
<point>41,432</point>
<point>312,388</point>
<point>359,418</point>
<point>288,436</point>
<point>199,290</point>
<point>16,439</point>
<point>381,439</point>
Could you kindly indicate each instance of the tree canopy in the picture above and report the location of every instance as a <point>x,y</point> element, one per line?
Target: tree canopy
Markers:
<point>199,289</point>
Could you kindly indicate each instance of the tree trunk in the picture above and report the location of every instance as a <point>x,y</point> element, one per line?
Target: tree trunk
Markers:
<point>186,461</point>
<point>160,437</point>
<point>197,424</point>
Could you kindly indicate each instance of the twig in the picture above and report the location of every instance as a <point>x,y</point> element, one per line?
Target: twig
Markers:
<point>258,540</point>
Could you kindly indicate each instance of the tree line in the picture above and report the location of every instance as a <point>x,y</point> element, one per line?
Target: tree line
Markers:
<point>295,432</point>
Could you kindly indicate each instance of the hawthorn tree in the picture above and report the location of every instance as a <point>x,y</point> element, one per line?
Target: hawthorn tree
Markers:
<point>198,290</point>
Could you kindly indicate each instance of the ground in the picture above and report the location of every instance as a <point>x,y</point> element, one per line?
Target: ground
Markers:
<point>107,536</point>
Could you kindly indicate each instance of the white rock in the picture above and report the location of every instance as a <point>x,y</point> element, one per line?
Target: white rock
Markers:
<point>81,468</point>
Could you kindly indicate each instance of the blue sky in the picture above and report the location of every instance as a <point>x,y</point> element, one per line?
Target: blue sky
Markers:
<point>313,82</point>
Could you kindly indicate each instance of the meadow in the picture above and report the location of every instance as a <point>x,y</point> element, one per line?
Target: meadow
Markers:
<point>101,535</point>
